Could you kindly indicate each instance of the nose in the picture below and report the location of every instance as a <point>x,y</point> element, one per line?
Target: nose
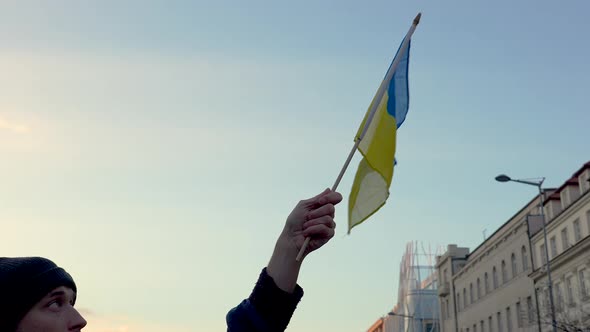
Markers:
<point>77,322</point>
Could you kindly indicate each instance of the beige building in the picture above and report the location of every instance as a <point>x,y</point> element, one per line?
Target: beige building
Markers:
<point>567,211</point>
<point>499,286</point>
<point>485,290</point>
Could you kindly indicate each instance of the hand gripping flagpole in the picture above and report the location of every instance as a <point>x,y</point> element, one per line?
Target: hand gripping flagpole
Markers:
<point>374,106</point>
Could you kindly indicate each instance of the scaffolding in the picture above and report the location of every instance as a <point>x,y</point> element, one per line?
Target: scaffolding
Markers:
<point>417,302</point>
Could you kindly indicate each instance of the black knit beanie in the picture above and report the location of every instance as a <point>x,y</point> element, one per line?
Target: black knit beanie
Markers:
<point>23,282</point>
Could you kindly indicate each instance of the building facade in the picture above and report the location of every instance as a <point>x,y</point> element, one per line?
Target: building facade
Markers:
<point>487,290</point>
<point>503,284</point>
<point>567,212</point>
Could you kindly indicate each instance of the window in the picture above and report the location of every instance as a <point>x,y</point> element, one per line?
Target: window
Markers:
<point>443,310</point>
<point>553,246</point>
<point>458,302</point>
<point>445,276</point>
<point>508,320</point>
<point>495,277</point>
<point>465,303</point>
<point>582,282</point>
<point>559,296</point>
<point>481,328</point>
<point>474,327</point>
<point>543,254</point>
<point>514,268</point>
<point>565,241</point>
<point>504,273</point>
<point>565,198</point>
<point>518,315</point>
<point>490,329</point>
<point>499,321</point>
<point>588,219</point>
<point>569,290</point>
<point>525,258</point>
<point>577,230</point>
<point>478,289</point>
<point>546,299</point>
<point>471,294</point>
<point>584,179</point>
<point>486,282</point>
<point>529,309</point>
<point>448,311</point>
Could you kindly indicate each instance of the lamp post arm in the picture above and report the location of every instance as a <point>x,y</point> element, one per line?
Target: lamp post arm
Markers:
<point>400,315</point>
<point>531,183</point>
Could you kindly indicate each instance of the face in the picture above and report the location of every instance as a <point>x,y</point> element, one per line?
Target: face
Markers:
<point>54,313</point>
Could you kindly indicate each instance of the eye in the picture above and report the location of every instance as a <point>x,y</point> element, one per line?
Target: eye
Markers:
<point>55,304</point>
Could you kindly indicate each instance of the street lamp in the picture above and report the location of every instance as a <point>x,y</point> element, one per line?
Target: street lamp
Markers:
<point>391,313</point>
<point>538,183</point>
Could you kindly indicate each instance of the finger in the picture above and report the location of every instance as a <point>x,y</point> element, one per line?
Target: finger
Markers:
<point>332,197</point>
<point>319,231</point>
<point>325,220</point>
<point>325,210</point>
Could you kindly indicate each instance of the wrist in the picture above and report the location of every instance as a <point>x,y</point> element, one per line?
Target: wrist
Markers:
<point>286,246</point>
<point>283,268</point>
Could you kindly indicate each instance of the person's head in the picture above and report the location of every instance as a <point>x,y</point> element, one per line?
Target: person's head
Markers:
<point>37,296</point>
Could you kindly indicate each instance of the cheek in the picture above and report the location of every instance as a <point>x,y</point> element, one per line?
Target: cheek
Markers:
<point>42,321</point>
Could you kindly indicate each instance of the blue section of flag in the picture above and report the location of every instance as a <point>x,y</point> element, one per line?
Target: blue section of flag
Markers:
<point>399,94</point>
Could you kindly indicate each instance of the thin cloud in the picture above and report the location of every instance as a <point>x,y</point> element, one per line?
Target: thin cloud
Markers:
<point>13,127</point>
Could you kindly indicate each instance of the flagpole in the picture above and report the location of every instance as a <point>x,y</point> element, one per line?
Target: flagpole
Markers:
<point>374,106</point>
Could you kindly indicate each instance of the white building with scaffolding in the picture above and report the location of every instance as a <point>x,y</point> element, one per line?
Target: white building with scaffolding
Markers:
<point>417,304</point>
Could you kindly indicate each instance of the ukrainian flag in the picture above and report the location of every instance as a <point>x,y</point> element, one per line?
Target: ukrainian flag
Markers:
<point>370,189</point>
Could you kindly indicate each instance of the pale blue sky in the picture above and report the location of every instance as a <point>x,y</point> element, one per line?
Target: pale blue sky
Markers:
<point>154,149</point>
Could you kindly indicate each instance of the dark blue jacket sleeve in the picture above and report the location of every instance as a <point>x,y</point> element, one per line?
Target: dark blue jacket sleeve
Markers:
<point>268,309</point>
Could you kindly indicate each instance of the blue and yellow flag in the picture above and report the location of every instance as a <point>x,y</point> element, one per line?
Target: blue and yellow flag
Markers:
<point>371,184</point>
